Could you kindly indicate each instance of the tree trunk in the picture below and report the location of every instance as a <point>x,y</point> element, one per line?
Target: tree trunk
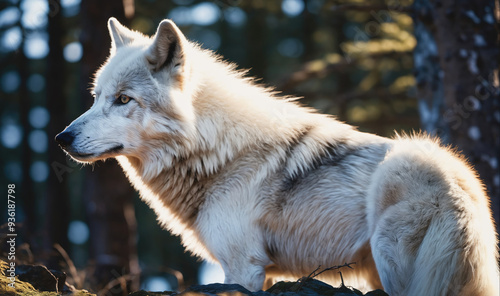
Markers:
<point>460,39</point>
<point>108,193</point>
<point>57,202</point>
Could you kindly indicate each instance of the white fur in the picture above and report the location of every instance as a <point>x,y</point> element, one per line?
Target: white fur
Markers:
<point>269,188</point>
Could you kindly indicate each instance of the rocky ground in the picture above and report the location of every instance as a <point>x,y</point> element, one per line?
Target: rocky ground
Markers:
<point>38,280</point>
<point>310,287</point>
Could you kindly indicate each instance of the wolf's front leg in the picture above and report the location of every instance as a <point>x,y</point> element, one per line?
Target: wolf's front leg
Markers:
<point>229,230</point>
<point>250,276</point>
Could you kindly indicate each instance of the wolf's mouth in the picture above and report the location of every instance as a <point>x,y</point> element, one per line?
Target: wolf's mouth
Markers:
<point>80,155</point>
<point>93,156</point>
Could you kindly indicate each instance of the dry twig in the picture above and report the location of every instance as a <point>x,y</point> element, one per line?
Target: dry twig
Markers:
<point>314,274</point>
<point>78,280</point>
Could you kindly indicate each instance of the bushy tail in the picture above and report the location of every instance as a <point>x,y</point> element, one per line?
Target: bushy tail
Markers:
<point>455,261</point>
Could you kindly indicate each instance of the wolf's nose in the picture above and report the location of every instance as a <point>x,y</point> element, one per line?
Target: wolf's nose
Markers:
<point>65,138</point>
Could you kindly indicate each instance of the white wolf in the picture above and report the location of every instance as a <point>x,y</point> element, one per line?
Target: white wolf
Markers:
<point>268,188</point>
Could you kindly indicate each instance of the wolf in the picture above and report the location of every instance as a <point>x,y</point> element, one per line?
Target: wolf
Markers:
<point>269,188</point>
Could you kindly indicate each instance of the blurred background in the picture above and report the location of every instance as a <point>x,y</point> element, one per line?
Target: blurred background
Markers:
<point>381,65</point>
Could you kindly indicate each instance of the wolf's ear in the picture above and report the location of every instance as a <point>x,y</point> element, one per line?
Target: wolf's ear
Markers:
<point>168,47</point>
<point>120,35</point>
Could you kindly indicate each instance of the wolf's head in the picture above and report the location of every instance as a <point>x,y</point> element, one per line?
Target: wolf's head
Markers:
<point>142,92</point>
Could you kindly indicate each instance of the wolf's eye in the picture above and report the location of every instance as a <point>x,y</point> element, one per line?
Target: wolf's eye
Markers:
<point>123,99</point>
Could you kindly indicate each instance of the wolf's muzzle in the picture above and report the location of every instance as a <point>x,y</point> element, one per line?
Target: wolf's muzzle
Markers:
<point>65,138</point>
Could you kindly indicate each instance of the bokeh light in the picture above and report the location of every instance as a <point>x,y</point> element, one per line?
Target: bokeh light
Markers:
<point>34,13</point>
<point>156,284</point>
<point>9,16</point>
<point>36,46</point>
<point>235,16</point>
<point>73,52</point>
<point>205,14</point>
<point>292,7</point>
<point>69,3</point>
<point>10,81</point>
<point>11,39</point>
<point>39,171</point>
<point>78,232</point>
<point>39,117</point>
<point>37,140</point>
<point>210,273</point>
<point>11,135</point>
<point>202,14</point>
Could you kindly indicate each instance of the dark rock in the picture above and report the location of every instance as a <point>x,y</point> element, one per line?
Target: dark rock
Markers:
<point>310,287</point>
<point>41,278</point>
<point>214,289</point>
<point>377,292</point>
<point>61,280</point>
<point>304,287</point>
